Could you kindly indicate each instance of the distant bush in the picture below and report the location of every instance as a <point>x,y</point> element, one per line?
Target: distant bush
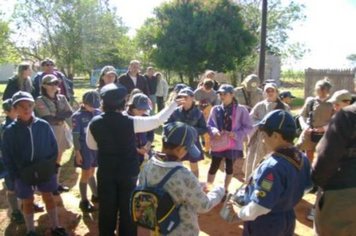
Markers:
<point>293,75</point>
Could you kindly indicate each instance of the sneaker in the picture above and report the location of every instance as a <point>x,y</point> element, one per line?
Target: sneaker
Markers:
<point>311,214</point>
<point>31,233</point>
<point>85,206</point>
<point>62,188</point>
<point>94,199</point>
<point>59,231</point>
<point>17,217</point>
<point>38,207</point>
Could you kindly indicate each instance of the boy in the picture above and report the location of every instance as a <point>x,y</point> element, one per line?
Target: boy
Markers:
<point>28,142</point>
<point>184,188</point>
<point>286,97</point>
<point>278,184</point>
<point>85,158</point>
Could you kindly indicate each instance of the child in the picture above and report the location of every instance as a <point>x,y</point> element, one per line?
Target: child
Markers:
<point>16,215</point>
<point>85,158</point>
<point>184,188</point>
<point>139,105</point>
<point>278,183</point>
<point>29,142</point>
<point>190,114</point>
<point>286,97</point>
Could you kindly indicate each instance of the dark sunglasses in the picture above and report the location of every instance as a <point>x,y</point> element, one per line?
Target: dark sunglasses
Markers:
<point>49,64</point>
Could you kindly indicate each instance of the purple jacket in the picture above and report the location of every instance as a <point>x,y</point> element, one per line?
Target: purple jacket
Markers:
<point>241,123</point>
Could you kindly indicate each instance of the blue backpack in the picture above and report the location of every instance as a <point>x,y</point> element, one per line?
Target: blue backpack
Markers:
<point>153,208</point>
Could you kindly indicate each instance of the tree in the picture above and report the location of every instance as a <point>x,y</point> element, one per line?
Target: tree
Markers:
<point>188,37</point>
<point>7,50</point>
<point>352,59</point>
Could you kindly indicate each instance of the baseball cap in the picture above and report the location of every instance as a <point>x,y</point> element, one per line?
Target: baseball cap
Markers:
<point>286,94</point>
<point>49,79</point>
<point>186,92</point>
<point>270,85</point>
<point>47,61</point>
<point>140,101</point>
<point>113,94</point>
<point>92,98</point>
<point>340,95</point>
<point>21,96</point>
<point>179,87</point>
<point>7,104</point>
<point>278,120</point>
<point>181,134</point>
<point>225,88</point>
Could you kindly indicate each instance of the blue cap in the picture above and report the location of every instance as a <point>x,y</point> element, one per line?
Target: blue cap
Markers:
<point>7,104</point>
<point>21,96</point>
<point>179,87</point>
<point>278,120</point>
<point>179,133</point>
<point>140,101</point>
<point>186,92</point>
<point>92,98</point>
<point>226,88</point>
<point>113,94</point>
<point>286,94</point>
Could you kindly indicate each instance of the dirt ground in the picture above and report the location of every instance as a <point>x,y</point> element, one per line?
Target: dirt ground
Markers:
<point>86,224</point>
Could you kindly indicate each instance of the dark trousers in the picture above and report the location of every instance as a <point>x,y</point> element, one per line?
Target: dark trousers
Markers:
<point>160,103</point>
<point>114,200</point>
<point>215,164</point>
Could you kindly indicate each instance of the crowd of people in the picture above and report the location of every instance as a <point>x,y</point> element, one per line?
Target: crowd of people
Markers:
<point>112,134</point>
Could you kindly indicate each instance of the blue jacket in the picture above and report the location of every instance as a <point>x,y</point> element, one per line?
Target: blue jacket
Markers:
<point>3,171</point>
<point>24,144</point>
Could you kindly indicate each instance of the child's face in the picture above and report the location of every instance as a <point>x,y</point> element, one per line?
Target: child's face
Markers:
<point>11,114</point>
<point>24,110</point>
<point>89,108</point>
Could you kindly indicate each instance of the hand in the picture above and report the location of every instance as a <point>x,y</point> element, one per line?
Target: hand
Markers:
<point>141,150</point>
<point>308,130</point>
<point>78,158</point>
<point>180,101</point>
<point>319,130</point>
<point>217,135</point>
<point>232,135</point>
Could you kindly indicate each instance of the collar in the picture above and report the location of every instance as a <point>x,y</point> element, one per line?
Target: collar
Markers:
<point>29,123</point>
<point>168,164</point>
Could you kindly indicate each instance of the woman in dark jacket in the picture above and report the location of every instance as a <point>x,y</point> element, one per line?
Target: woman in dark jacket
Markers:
<point>19,82</point>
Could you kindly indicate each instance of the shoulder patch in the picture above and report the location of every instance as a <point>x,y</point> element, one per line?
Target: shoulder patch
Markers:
<point>266,184</point>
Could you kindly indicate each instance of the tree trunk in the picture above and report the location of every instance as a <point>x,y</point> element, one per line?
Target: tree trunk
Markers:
<point>181,77</point>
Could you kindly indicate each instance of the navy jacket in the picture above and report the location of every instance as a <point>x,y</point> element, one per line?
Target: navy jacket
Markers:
<point>141,83</point>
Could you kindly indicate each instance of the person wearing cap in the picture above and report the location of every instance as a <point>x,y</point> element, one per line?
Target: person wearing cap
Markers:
<point>232,120</point>
<point>54,108</point>
<point>19,82</point>
<point>139,105</point>
<point>175,91</point>
<point>278,183</point>
<point>286,97</point>
<point>85,158</point>
<point>340,99</point>
<point>314,118</point>
<point>107,75</point>
<point>183,186</point>
<point>334,171</point>
<point>191,115</point>
<point>133,79</point>
<point>29,141</point>
<point>249,93</point>
<point>256,149</point>
<point>161,90</point>
<point>48,68</point>
<point>16,215</point>
<point>113,134</point>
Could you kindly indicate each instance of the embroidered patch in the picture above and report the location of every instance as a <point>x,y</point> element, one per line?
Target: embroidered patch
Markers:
<point>266,185</point>
<point>270,177</point>
<point>260,193</point>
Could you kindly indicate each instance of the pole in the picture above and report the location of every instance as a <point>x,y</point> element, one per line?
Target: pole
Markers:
<point>261,67</point>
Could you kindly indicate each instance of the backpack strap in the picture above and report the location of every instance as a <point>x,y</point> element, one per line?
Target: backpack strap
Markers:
<point>167,176</point>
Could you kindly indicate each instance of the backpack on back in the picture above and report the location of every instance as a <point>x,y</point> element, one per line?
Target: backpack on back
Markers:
<point>153,207</point>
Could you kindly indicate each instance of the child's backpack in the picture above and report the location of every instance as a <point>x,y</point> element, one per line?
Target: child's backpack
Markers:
<point>154,208</point>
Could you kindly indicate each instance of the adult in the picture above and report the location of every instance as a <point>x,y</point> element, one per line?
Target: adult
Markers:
<point>152,86</point>
<point>54,108</point>
<point>48,68</point>
<point>161,91</point>
<point>133,79</point>
<point>107,75</point>
<point>19,82</point>
<point>113,135</point>
<point>340,99</point>
<point>314,118</point>
<point>256,149</point>
<point>334,171</point>
<point>249,93</point>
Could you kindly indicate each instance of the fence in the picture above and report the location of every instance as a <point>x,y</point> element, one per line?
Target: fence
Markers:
<point>340,79</point>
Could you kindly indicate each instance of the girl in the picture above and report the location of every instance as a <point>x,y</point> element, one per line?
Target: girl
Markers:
<point>190,114</point>
<point>108,75</point>
<point>19,82</point>
<point>54,108</point>
<point>231,120</point>
<point>85,158</point>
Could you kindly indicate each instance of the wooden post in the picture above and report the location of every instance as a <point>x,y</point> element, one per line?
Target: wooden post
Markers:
<point>261,67</point>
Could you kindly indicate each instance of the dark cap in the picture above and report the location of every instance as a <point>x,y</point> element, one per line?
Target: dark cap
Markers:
<point>47,61</point>
<point>113,94</point>
<point>286,94</point>
<point>92,98</point>
<point>21,96</point>
<point>186,92</point>
<point>278,120</point>
<point>7,104</point>
<point>179,133</point>
<point>179,87</point>
<point>226,88</point>
<point>49,79</point>
<point>140,101</point>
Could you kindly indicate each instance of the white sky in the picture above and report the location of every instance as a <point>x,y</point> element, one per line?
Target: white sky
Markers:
<point>328,31</point>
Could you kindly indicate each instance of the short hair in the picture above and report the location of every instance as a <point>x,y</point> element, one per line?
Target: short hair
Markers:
<point>287,136</point>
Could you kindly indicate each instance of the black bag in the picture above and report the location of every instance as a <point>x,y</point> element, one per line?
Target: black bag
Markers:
<point>315,136</point>
<point>38,172</point>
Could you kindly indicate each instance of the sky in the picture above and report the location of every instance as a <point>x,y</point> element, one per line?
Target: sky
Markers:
<point>328,31</point>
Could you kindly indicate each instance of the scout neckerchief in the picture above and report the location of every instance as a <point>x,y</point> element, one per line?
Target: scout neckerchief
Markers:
<point>227,124</point>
